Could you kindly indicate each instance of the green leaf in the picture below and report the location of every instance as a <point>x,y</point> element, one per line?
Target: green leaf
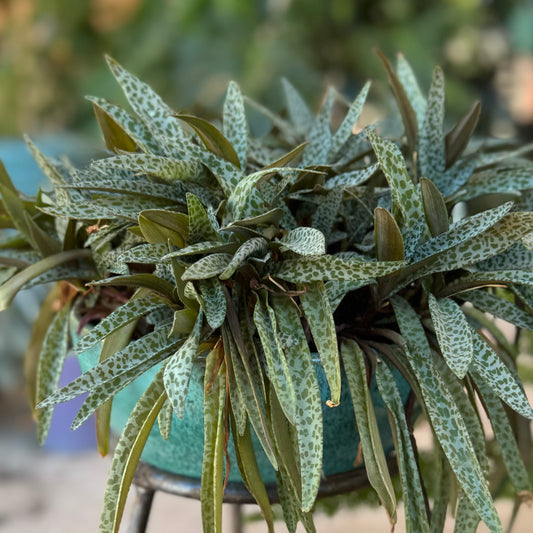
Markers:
<point>504,434</point>
<point>350,179</point>
<point>432,149</point>
<point>408,115</point>
<point>288,157</point>
<point>164,419</point>
<point>413,495</point>
<point>345,130</point>
<point>147,281</point>
<point>128,452</point>
<point>494,240</point>
<point>304,241</point>
<point>207,267</point>
<point>462,230</point>
<point>307,408</point>
<point>144,253</point>
<point>299,113</point>
<point>166,168</point>
<point>160,226</point>
<point>247,463</point>
<point>201,227</point>
<point>23,222</point>
<point>365,417</point>
<point>500,308</point>
<point>278,369</point>
<point>442,491</point>
<point>412,90</point>
<point>245,200</point>
<point>108,207</point>
<point>492,369</point>
<point>498,181</point>
<point>116,139</point>
<point>179,367</point>
<point>445,417</point>
<point>212,138</point>
<point>329,267</point>
<point>466,517</point>
<point>214,301</point>
<point>11,287</point>
<point>51,359</point>
<point>487,279</point>
<point>235,127</point>
<point>152,110</point>
<point>204,247</point>
<point>407,203</point>
<point>211,492</point>
<point>327,211</point>
<point>152,345</point>
<point>435,209</point>
<point>453,334</point>
<point>457,139</point>
<point>387,235</point>
<point>119,123</point>
<point>113,343</point>
<point>247,384</point>
<point>319,316</point>
<point>254,247</point>
<point>319,136</point>
<point>132,310</point>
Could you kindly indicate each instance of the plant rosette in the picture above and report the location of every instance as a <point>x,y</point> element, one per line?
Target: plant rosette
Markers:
<point>385,254</point>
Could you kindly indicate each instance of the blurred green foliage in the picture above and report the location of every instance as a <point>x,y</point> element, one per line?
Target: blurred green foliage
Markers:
<point>51,50</point>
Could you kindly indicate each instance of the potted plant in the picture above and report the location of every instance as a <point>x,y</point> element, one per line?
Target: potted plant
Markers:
<point>198,249</point>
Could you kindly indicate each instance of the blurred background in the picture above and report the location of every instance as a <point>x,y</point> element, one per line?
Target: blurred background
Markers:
<point>51,56</point>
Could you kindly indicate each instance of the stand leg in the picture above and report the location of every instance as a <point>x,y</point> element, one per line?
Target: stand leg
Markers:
<point>237,518</point>
<point>141,513</point>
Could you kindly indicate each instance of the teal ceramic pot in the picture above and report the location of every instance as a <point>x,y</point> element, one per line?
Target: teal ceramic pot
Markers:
<point>182,453</point>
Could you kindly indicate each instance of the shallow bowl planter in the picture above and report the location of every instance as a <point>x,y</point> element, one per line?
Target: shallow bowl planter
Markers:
<point>182,453</point>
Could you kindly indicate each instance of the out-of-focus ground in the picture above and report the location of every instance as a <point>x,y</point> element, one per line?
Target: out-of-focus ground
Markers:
<point>43,491</point>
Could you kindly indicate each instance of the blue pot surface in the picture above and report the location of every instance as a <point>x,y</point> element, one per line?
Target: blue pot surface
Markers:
<point>183,452</point>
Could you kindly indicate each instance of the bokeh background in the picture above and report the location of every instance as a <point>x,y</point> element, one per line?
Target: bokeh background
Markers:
<point>52,55</point>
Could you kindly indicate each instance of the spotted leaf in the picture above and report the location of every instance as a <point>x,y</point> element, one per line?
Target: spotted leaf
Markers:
<point>365,417</point>
<point>305,241</point>
<point>207,267</point>
<point>406,199</point>
<point>51,359</point>
<point>154,165</point>
<point>254,247</point>
<point>501,380</point>
<point>345,130</point>
<point>329,267</point>
<point>504,434</point>
<point>448,424</point>
<point>213,300</point>
<point>212,486</point>
<point>319,316</point>
<point>307,408</point>
<point>137,352</point>
<point>127,454</point>
<point>431,145</point>
<point>126,313</point>
<point>413,495</point>
<point>453,334</point>
<point>179,367</point>
<point>234,124</point>
<point>276,361</point>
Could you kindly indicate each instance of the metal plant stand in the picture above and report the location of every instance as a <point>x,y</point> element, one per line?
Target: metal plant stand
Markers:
<point>149,479</point>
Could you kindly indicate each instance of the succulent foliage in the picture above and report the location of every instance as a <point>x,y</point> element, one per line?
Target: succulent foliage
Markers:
<point>196,240</point>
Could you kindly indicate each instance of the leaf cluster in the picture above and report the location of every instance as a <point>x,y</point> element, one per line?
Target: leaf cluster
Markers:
<point>196,243</point>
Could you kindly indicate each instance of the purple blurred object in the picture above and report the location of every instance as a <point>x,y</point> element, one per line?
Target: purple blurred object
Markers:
<point>60,437</point>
